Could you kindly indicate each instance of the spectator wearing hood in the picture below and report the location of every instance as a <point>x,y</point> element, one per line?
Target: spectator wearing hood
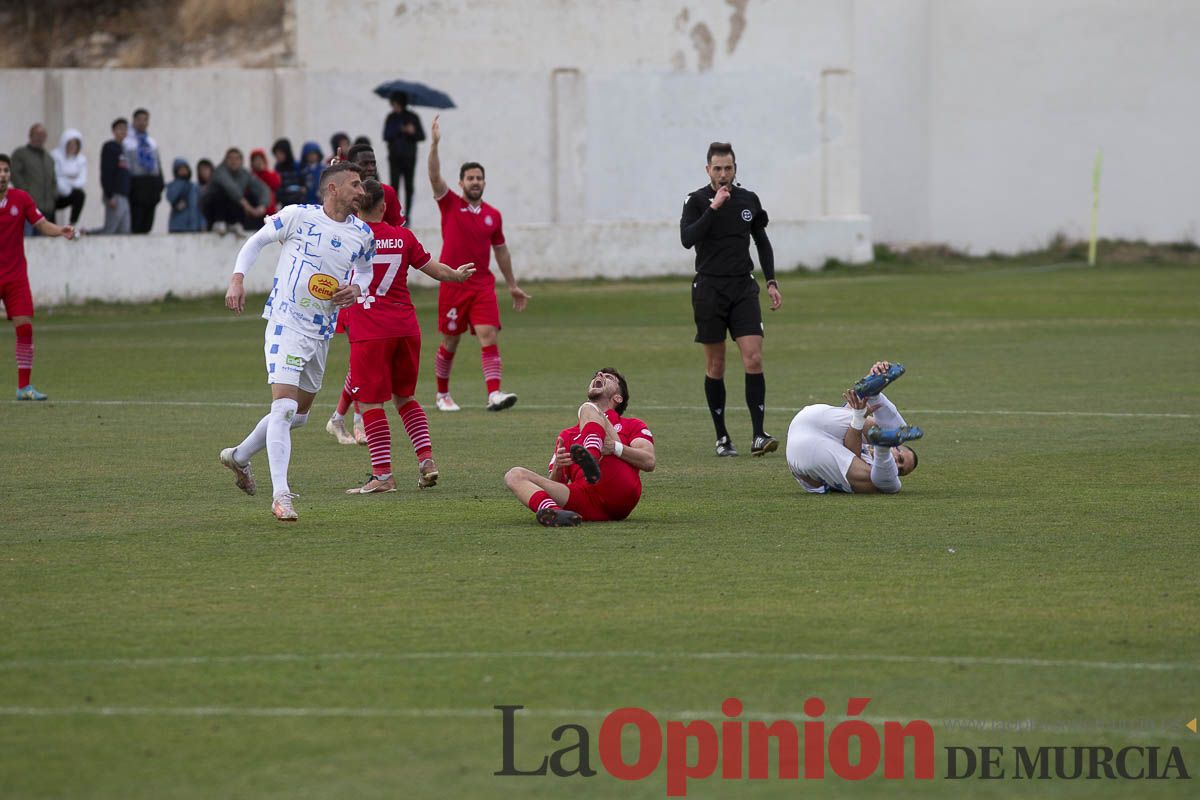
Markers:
<point>184,197</point>
<point>70,173</point>
<point>310,171</point>
<point>258,165</point>
<point>235,197</point>
<point>291,187</point>
<point>33,171</point>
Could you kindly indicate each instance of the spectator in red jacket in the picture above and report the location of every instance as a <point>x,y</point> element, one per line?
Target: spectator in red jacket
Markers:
<point>261,168</point>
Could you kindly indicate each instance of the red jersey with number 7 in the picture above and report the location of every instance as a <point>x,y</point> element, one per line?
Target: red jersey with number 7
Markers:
<point>386,310</point>
<point>468,235</point>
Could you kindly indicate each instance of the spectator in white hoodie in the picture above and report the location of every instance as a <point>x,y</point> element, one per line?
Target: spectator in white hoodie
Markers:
<point>70,171</point>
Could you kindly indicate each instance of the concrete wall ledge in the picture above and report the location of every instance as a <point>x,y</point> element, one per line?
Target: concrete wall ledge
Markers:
<point>145,268</point>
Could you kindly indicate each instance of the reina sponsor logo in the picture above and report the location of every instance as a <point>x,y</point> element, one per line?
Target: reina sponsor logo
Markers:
<point>322,286</point>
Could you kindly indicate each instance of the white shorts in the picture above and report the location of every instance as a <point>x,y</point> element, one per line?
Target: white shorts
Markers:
<point>294,359</point>
<point>815,449</point>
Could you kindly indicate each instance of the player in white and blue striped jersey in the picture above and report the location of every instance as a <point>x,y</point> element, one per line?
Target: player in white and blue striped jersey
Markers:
<point>325,266</point>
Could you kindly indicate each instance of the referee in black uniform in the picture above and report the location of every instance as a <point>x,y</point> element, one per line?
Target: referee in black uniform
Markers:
<point>719,220</point>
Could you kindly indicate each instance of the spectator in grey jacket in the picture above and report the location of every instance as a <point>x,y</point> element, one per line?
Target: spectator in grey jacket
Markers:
<point>114,180</point>
<point>184,197</point>
<point>235,197</point>
<point>33,171</point>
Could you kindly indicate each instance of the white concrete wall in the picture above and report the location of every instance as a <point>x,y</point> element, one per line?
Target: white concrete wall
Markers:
<point>192,265</point>
<point>982,119</point>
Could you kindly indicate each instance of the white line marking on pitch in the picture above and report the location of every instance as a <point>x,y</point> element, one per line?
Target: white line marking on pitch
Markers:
<point>572,406</point>
<point>983,661</point>
<point>962,724</point>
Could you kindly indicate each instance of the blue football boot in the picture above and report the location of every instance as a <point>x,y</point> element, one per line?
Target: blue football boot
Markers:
<point>29,393</point>
<point>893,437</point>
<point>872,385</point>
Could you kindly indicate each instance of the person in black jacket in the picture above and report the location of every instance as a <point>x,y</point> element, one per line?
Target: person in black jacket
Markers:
<point>719,220</point>
<point>402,130</point>
<point>115,180</point>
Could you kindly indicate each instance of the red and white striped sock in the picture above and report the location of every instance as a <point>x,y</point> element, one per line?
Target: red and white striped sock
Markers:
<point>441,368</point>
<point>541,500</point>
<point>416,425</point>
<point>344,401</point>
<point>492,366</point>
<point>24,353</point>
<point>379,441</point>
<point>592,437</point>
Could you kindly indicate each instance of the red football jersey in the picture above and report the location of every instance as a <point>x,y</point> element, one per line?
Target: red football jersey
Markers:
<point>469,234</point>
<point>616,474</point>
<point>392,213</point>
<point>16,209</point>
<point>386,310</point>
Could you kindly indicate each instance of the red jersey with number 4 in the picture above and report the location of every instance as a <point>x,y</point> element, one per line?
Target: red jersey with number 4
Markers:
<point>617,477</point>
<point>468,235</point>
<point>386,310</point>
<point>16,209</point>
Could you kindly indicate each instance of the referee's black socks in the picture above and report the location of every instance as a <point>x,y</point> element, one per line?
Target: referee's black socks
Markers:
<point>714,392</point>
<point>756,399</point>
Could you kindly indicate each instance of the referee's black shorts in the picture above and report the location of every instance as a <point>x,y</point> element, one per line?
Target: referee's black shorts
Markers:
<point>726,304</point>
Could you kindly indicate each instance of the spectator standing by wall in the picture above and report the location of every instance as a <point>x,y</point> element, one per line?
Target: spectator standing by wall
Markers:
<point>261,170</point>
<point>115,180</point>
<point>402,130</point>
<point>70,173</point>
<point>145,169</point>
<point>184,197</point>
<point>33,171</point>
<point>291,187</point>
<point>204,173</point>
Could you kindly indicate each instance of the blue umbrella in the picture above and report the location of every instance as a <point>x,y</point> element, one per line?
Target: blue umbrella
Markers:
<point>418,94</point>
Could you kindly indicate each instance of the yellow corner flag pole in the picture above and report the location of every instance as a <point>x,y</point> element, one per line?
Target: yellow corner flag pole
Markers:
<point>1095,206</point>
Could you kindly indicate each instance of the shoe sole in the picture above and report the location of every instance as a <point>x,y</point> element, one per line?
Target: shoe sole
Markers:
<point>888,380</point>
<point>360,490</point>
<point>591,470</point>
<point>728,454</point>
<point>553,520</point>
<point>909,433</point>
<point>428,481</point>
<point>771,447</point>
<point>237,478</point>
<point>507,402</point>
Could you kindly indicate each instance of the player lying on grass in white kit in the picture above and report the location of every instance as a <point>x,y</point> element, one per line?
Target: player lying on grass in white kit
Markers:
<point>828,449</point>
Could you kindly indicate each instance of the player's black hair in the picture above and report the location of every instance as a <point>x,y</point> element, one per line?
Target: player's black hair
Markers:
<point>4,157</point>
<point>914,454</point>
<point>373,190</point>
<point>720,149</point>
<point>337,169</point>
<point>119,121</point>
<point>624,389</point>
<point>470,165</point>
<point>362,140</point>
<point>352,156</point>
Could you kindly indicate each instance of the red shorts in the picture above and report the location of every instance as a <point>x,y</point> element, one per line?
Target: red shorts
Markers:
<point>595,503</point>
<point>18,302</point>
<point>380,368</point>
<point>462,307</point>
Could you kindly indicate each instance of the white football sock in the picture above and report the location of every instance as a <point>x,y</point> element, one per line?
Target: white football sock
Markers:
<point>884,472</point>
<point>279,443</point>
<point>256,441</point>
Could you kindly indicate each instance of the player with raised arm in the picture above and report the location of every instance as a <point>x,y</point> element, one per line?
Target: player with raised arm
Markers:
<point>471,231</point>
<point>828,450</point>
<point>17,208</point>
<point>325,265</point>
<point>595,472</point>
<point>385,345</point>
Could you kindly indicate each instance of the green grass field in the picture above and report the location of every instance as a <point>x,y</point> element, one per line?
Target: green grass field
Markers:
<point>162,636</point>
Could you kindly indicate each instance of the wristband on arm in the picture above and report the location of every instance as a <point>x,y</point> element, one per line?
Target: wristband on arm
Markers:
<point>859,419</point>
